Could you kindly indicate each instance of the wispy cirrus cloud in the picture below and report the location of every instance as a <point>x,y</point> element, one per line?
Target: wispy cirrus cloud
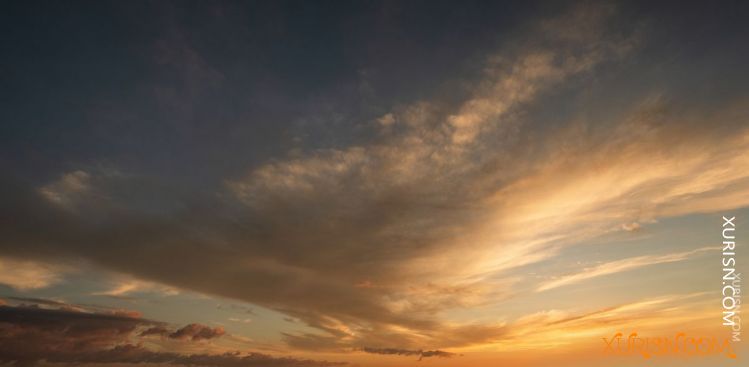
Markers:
<point>660,315</point>
<point>123,287</point>
<point>617,266</point>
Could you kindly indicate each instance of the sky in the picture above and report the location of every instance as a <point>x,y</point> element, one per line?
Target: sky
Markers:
<point>372,183</point>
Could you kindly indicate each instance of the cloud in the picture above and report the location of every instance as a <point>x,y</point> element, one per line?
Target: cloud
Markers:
<point>29,335</point>
<point>237,307</point>
<point>631,227</point>
<point>192,332</point>
<point>65,190</point>
<point>338,336</point>
<point>124,287</point>
<point>61,305</point>
<point>129,353</point>
<point>197,332</point>
<point>406,352</point>
<point>574,328</point>
<point>245,321</point>
<point>39,301</point>
<point>156,330</point>
<point>617,266</point>
<point>26,275</point>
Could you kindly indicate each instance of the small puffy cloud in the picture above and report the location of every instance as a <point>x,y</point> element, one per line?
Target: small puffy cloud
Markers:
<point>386,120</point>
<point>194,332</point>
<point>64,191</point>
<point>197,332</point>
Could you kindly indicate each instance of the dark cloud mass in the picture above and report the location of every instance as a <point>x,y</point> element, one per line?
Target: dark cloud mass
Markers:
<point>30,334</point>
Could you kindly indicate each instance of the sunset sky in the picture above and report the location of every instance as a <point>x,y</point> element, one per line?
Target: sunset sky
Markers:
<point>368,183</point>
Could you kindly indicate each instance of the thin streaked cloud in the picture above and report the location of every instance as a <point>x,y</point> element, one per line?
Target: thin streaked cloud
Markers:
<point>617,266</point>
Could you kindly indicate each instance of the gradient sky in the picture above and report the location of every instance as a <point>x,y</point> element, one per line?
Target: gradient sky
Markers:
<point>330,183</point>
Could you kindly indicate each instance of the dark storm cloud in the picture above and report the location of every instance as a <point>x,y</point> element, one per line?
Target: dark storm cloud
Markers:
<point>32,334</point>
<point>347,220</point>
